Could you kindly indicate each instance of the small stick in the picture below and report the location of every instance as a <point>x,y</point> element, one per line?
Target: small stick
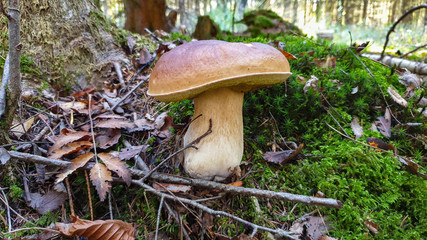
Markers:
<point>91,128</point>
<point>148,188</point>
<point>308,200</point>
<point>90,196</point>
<point>119,72</point>
<point>110,206</point>
<point>9,220</point>
<point>191,144</point>
<point>32,228</point>
<point>178,220</point>
<point>67,183</point>
<point>129,93</point>
<point>412,51</point>
<point>153,35</point>
<point>139,162</point>
<point>159,212</point>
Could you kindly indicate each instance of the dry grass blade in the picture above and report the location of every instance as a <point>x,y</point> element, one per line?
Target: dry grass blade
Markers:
<point>116,165</point>
<point>78,162</point>
<point>101,179</point>
<point>98,230</point>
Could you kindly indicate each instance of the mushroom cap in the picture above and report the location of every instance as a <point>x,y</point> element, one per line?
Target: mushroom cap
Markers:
<point>195,67</point>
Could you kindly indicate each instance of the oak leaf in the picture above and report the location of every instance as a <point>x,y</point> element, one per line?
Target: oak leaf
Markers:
<point>98,230</point>
<point>101,179</point>
<point>78,162</point>
<point>116,165</point>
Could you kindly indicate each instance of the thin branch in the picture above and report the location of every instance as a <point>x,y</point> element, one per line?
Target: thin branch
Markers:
<point>89,195</point>
<point>278,232</point>
<point>191,144</point>
<point>159,212</point>
<point>9,219</point>
<point>326,202</point>
<point>119,72</point>
<point>178,220</point>
<point>412,51</point>
<point>32,228</point>
<point>129,93</point>
<point>397,22</point>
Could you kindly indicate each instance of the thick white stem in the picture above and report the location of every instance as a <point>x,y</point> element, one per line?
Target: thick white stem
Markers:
<point>219,153</point>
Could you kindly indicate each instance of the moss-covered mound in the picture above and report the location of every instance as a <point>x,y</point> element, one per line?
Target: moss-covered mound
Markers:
<point>266,21</point>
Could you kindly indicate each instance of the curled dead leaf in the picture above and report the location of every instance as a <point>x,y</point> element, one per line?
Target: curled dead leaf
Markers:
<point>78,162</point>
<point>98,230</point>
<point>70,148</point>
<point>116,165</point>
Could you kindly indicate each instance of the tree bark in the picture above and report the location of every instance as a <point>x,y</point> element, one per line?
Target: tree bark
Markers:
<point>141,14</point>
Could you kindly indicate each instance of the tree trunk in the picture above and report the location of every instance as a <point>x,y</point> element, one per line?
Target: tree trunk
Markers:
<point>365,11</point>
<point>141,14</point>
<point>181,12</point>
<point>65,41</point>
<point>197,7</point>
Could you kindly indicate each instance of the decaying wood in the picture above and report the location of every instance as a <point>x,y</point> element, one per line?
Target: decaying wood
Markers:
<point>326,202</point>
<point>414,67</point>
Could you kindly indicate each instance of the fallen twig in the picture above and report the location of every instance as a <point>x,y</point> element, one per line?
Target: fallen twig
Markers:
<point>119,72</point>
<point>412,51</point>
<point>129,93</point>
<point>254,226</point>
<point>9,219</point>
<point>326,202</point>
<point>397,22</point>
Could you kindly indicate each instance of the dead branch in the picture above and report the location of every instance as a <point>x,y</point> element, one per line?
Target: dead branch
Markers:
<point>254,226</point>
<point>397,22</point>
<point>129,93</point>
<point>412,51</point>
<point>119,72</point>
<point>326,202</point>
<point>9,219</point>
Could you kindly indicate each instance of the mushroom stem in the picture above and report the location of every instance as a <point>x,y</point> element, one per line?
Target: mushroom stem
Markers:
<point>218,154</point>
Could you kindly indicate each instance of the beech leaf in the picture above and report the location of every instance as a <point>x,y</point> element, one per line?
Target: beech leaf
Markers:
<point>397,98</point>
<point>130,152</point>
<point>116,165</point>
<point>283,156</point>
<point>384,124</point>
<point>52,200</point>
<point>68,136</point>
<point>70,148</point>
<point>101,179</point>
<point>78,162</point>
<point>98,230</point>
<point>109,138</point>
<point>114,123</point>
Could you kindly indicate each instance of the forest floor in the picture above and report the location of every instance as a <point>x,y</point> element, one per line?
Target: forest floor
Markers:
<point>345,131</point>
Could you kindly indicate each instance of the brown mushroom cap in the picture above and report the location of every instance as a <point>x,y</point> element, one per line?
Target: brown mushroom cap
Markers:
<point>192,68</point>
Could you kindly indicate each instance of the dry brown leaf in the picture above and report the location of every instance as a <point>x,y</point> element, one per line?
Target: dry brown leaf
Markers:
<point>357,129</point>
<point>109,116</point>
<point>50,201</point>
<point>78,162</point>
<point>67,106</point>
<point>311,83</point>
<point>20,129</point>
<point>84,92</point>
<point>145,56</point>
<point>98,230</point>
<point>283,156</point>
<point>114,123</point>
<point>373,227</point>
<point>397,98</point>
<point>236,184</point>
<point>384,124</point>
<point>68,136</point>
<point>116,165</point>
<point>130,152</point>
<point>70,148</point>
<point>172,187</point>
<point>101,179</point>
<point>309,227</point>
<point>108,139</point>
<point>329,62</point>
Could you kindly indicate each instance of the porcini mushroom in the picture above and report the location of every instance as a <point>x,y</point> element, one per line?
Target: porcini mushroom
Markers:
<point>216,74</point>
